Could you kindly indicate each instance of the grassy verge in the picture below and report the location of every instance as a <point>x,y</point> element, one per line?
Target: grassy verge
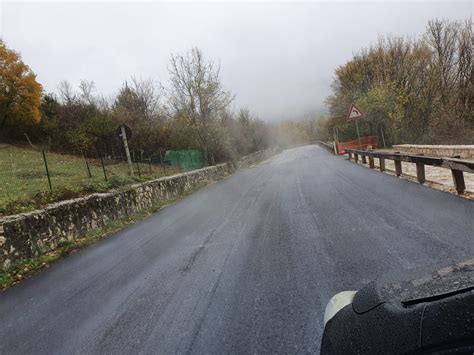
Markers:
<point>27,268</point>
<point>24,185</point>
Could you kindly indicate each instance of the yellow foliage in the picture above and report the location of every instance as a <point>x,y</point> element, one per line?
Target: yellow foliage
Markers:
<point>20,93</point>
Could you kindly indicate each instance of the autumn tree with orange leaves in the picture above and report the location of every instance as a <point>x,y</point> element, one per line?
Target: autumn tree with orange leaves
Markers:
<point>20,93</point>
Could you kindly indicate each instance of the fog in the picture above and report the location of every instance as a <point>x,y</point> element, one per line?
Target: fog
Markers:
<point>277,58</point>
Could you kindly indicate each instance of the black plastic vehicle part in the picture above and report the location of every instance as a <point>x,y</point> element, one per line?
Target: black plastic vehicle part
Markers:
<point>372,325</point>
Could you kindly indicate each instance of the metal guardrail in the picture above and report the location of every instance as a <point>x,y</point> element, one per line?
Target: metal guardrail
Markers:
<point>457,166</point>
<point>327,145</point>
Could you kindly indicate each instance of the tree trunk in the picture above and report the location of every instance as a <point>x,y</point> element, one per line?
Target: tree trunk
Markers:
<point>2,127</point>
<point>4,121</point>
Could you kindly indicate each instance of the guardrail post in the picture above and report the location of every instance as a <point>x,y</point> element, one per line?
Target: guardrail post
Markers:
<point>371,162</point>
<point>382,164</point>
<point>398,167</point>
<point>420,172</point>
<point>458,179</point>
<point>456,165</point>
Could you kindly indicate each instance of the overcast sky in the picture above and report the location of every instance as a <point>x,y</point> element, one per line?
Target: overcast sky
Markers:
<point>278,58</point>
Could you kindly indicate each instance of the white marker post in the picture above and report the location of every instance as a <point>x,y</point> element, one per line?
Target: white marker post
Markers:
<point>127,151</point>
<point>336,140</point>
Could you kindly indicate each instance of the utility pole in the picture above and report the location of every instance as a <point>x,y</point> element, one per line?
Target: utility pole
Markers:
<point>383,136</point>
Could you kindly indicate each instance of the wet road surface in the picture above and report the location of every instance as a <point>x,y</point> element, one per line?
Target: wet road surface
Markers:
<point>246,264</point>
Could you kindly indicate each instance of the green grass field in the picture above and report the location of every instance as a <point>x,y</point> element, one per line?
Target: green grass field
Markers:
<point>24,185</point>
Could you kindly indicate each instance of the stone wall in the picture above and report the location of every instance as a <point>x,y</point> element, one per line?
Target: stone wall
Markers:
<point>464,151</point>
<point>255,158</point>
<point>27,235</point>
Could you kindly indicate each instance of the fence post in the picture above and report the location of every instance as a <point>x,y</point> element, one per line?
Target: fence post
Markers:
<point>350,156</point>
<point>88,169</point>
<point>356,157</point>
<point>29,141</point>
<point>47,171</point>
<point>458,179</point>
<point>138,169</point>
<point>364,159</point>
<point>103,168</point>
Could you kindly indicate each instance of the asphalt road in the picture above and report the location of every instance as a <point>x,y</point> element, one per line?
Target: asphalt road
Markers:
<point>244,265</point>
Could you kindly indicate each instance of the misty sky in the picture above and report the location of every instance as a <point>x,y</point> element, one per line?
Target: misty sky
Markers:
<point>278,58</point>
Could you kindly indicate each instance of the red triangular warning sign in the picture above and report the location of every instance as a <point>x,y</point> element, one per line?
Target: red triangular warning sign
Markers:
<point>354,113</point>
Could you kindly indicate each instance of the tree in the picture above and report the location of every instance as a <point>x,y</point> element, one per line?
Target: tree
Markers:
<point>138,101</point>
<point>197,95</point>
<point>421,90</point>
<point>20,93</point>
<point>138,104</point>
<point>66,92</point>
<point>197,114</point>
<point>79,121</point>
<point>87,89</point>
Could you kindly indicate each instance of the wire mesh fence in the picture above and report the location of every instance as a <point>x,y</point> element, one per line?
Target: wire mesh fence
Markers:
<point>32,177</point>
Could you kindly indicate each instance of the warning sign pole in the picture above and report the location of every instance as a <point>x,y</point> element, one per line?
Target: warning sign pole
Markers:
<point>358,134</point>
